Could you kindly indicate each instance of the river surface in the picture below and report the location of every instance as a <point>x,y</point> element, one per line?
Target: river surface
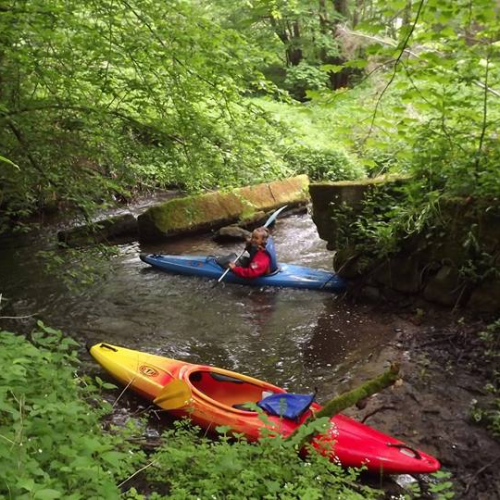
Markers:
<point>297,339</point>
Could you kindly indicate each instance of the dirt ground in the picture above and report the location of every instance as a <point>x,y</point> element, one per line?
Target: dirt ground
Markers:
<point>444,370</point>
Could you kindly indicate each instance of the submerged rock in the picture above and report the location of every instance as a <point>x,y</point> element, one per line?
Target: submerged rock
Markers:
<point>232,233</point>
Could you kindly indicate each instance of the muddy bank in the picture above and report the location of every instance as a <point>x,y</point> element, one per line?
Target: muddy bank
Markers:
<point>444,371</point>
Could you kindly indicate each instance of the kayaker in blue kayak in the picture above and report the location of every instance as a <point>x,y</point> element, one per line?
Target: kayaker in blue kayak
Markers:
<point>262,258</point>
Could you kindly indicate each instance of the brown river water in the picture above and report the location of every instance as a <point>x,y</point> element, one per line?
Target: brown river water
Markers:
<point>297,339</point>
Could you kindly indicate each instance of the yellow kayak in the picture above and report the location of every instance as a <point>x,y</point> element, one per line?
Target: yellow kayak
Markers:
<point>217,397</point>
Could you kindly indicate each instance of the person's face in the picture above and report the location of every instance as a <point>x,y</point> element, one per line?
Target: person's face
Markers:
<point>257,239</point>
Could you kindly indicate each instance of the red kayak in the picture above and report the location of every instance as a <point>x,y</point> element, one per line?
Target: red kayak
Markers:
<point>217,397</point>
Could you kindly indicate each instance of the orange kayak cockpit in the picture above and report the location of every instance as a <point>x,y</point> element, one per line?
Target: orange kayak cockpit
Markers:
<point>220,388</point>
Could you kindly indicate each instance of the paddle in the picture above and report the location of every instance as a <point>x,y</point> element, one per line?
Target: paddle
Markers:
<point>174,395</point>
<point>269,221</point>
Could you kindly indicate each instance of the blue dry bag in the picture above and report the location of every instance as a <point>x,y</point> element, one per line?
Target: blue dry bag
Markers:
<point>291,406</point>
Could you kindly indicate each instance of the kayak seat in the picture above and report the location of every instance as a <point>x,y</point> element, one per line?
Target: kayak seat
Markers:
<point>226,389</point>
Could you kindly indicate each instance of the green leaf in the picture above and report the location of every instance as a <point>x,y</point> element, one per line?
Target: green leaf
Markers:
<point>26,484</point>
<point>331,68</point>
<point>113,457</point>
<point>47,494</point>
<point>6,160</point>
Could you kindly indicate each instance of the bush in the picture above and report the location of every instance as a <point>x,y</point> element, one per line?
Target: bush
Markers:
<point>194,466</point>
<point>305,77</point>
<point>324,164</point>
<point>52,442</point>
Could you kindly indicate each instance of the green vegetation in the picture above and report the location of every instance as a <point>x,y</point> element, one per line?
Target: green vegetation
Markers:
<point>52,440</point>
<point>193,466</point>
<point>99,101</point>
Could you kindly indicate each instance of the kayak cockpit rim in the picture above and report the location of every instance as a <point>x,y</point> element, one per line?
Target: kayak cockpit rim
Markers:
<point>227,390</point>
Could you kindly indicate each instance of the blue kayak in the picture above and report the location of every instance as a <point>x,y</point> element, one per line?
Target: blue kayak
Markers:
<point>288,275</point>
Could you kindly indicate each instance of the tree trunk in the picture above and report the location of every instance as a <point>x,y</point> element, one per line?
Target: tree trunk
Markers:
<point>290,36</point>
<point>294,51</point>
<point>328,27</point>
<point>341,7</point>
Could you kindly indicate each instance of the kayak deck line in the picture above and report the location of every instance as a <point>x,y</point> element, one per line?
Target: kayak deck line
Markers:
<point>216,396</point>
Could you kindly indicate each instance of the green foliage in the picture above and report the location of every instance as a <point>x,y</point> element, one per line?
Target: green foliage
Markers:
<point>323,164</point>
<point>297,36</point>
<point>311,145</point>
<point>442,487</point>
<point>306,76</point>
<point>193,466</point>
<point>53,445</point>
<point>77,268</point>
<point>437,486</point>
<point>430,112</point>
<point>447,108</point>
<point>100,99</point>
<point>378,227</point>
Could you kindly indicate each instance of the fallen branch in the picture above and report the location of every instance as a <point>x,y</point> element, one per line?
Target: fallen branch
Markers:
<point>154,462</point>
<point>18,317</point>
<point>350,398</point>
<point>365,390</point>
<point>123,392</point>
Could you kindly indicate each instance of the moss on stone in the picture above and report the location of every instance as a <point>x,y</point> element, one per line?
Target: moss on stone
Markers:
<point>208,211</point>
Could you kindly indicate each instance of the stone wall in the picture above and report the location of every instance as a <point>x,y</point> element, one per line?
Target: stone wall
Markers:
<point>213,210</point>
<point>456,262</point>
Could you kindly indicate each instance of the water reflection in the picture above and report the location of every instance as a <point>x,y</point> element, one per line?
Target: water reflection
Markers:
<point>344,339</point>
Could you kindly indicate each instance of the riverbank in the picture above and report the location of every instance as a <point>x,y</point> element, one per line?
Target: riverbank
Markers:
<point>445,371</point>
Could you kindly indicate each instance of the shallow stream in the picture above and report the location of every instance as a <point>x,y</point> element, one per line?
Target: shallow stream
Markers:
<point>298,339</point>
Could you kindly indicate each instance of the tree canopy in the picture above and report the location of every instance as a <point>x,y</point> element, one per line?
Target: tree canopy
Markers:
<point>100,99</point>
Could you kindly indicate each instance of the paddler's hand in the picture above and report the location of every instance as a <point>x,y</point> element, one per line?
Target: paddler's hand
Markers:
<point>231,265</point>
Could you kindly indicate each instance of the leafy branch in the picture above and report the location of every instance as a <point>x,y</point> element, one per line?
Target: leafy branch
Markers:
<point>396,63</point>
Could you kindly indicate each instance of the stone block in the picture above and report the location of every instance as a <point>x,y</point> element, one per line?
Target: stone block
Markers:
<point>213,210</point>
<point>121,227</point>
<point>400,273</point>
<point>445,287</point>
<point>486,297</point>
